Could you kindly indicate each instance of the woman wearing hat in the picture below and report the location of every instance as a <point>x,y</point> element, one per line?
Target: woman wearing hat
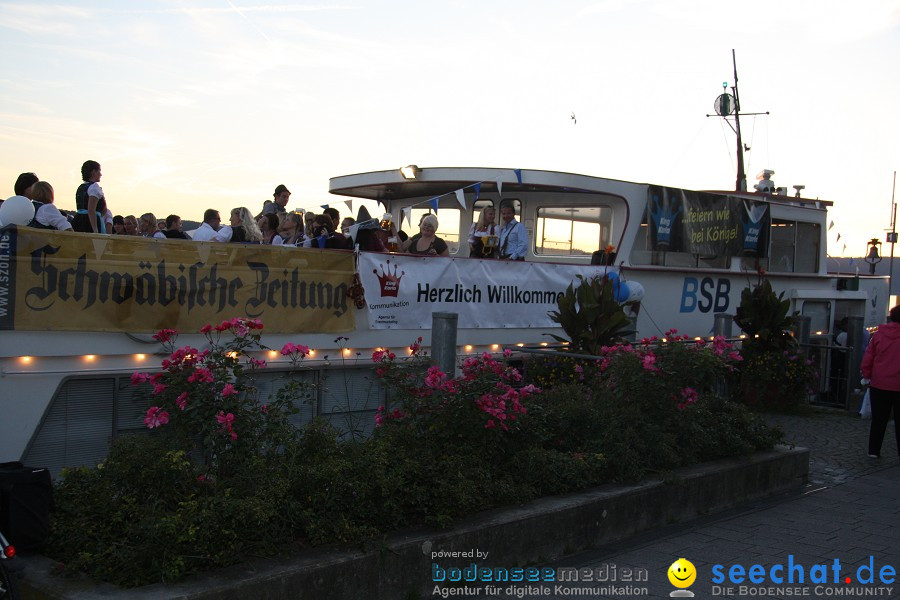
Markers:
<point>367,231</point>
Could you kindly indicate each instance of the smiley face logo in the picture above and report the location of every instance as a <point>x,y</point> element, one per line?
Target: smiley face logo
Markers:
<point>682,573</point>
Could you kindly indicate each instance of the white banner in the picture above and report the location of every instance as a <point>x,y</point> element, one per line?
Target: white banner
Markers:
<point>403,291</point>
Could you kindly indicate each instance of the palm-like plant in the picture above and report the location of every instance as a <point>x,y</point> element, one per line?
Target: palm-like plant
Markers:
<point>590,315</point>
<point>763,316</point>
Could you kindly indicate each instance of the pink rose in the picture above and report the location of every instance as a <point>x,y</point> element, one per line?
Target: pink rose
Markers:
<point>165,335</point>
<point>155,417</point>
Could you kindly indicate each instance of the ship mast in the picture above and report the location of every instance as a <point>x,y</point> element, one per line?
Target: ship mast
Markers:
<point>741,183</point>
<point>727,105</point>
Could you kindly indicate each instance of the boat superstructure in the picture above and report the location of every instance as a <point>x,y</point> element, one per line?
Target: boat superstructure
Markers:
<point>693,252</point>
<point>77,311</point>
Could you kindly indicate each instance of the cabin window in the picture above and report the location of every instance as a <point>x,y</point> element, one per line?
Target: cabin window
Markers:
<point>642,254</point>
<point>448,217</point>
<point>794,247</point>
<point>572,230</point>
<point>819,313</point>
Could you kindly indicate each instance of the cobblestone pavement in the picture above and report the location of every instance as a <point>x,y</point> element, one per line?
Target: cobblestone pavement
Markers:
<point>838,444</point>
<point>849,512</point>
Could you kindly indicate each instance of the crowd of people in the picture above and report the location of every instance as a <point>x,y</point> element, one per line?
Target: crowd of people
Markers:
<point>273,225</point>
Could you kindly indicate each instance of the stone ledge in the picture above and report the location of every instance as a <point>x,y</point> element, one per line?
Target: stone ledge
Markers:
<point>542,530</point>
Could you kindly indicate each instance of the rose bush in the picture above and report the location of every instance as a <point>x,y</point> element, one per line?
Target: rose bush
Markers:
<point>208,401</point>
<point>222,472</point>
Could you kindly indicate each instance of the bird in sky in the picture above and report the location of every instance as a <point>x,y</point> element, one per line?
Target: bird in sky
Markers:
<point>574,120</point>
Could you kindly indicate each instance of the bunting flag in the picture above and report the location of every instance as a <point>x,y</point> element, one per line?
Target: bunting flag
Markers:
<point>839,238</point>
<point>518,173</point>
<point>844,251</point>
<point>831,226</point>
<point>349,204</point>
<point>461,198</point>
<point>354,229</point>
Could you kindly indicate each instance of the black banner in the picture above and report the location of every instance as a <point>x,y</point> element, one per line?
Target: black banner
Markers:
<point>706,224</point>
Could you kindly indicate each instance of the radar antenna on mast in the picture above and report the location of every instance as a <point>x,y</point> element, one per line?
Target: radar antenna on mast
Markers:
<point>726,105</point>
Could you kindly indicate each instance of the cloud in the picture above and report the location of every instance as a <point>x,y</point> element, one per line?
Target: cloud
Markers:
<point>43,19</point>
<point>603,8</point>
<point>287,8</point>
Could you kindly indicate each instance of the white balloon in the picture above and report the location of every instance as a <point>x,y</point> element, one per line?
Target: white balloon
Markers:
<point>17,210</point>
<point>635,291</point>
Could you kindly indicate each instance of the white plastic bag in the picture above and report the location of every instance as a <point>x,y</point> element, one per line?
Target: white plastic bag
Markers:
<point>865,410</point>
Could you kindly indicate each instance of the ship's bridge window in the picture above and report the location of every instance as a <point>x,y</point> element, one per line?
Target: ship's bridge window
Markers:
<point>448,222</point>
<point>572,230</point>
<point>794,247</point>
<point>643,254</point>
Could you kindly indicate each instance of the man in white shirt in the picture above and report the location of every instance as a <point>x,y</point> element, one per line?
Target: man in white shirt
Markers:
<point>513,237</point>
<point>211,230</point>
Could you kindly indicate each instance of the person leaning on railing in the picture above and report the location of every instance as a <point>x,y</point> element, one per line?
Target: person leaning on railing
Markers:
<point>244,229</point>
<point>174,228</point>
<point>211,229</point>
<point>46,215</point>
<point>426,242</point>
<point>513,237</point>
<point>483,235</point>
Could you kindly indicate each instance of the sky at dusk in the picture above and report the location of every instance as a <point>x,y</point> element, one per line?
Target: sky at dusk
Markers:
<point>212,103</point>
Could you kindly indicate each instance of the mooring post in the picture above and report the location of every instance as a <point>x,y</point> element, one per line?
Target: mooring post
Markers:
<point>443,341</point>
<point>722,325</point>
<point>802,332</point>
<point>856,343</point>
<point>722,328</point>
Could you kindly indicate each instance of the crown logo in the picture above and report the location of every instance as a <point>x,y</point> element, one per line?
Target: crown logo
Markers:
<point>389,282</point>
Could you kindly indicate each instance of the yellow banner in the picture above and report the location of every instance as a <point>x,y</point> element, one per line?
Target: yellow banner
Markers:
<point>64,281</point>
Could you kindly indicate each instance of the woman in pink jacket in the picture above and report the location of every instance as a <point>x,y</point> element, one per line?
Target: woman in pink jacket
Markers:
<point>881,365</point>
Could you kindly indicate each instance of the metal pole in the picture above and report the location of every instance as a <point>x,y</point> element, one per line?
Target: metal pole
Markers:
<point>855,344</point>
<point>443,341</point>
<point>893,237</point>
<point>722,327</point>
<point>723,324</point>
<point>803,327</point>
